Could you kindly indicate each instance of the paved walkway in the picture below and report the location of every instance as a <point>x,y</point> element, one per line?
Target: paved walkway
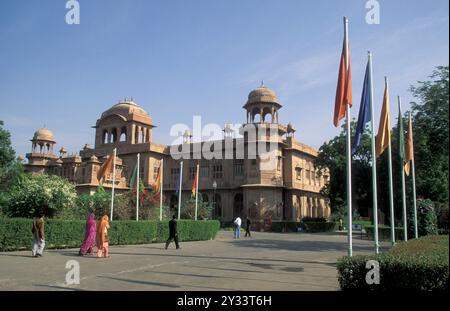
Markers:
<point>266,261</point>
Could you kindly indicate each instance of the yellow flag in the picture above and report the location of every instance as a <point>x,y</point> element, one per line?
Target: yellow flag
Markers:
<point>383,139</point>
<point>158,181</point>
<point>409,154</point>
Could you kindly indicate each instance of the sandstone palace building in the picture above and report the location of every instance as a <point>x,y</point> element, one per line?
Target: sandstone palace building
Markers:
<point>288,190</point>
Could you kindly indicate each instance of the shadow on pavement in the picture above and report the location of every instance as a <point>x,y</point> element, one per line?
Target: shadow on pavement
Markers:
<point>140,282</point>
<point>60,287</point>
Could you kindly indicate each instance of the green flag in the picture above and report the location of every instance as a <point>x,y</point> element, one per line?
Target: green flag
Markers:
<point>133,178</point>
<point>400,138</point>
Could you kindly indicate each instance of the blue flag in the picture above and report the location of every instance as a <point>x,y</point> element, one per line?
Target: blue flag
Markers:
<point>364,115</point>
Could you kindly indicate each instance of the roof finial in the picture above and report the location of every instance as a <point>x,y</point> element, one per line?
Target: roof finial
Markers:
<point>262,83</point>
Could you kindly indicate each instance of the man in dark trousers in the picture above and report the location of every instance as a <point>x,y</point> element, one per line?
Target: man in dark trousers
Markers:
<point>173,234</point>
<point>247,228</point>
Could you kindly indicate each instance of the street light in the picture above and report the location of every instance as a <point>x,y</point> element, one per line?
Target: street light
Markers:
<point>214,197</point>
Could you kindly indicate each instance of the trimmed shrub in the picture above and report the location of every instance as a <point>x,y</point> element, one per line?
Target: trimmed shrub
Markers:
<point>426,218</point>
<point>278,226</point>
<point>421,264</point>
<point>314,219</point>
<point>319,226</point>
<point>384,233</point>
<point>442,218</point>
<point>15,233</point>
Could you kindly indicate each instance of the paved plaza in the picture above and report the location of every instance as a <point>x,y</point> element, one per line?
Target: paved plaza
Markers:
<point>266,261</point>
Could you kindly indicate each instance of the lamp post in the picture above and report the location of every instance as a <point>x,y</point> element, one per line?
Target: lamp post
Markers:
<point>214,198</point>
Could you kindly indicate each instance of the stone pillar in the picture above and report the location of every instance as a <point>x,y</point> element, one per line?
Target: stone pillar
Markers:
<point>132,134</point>
<point>144,136</point>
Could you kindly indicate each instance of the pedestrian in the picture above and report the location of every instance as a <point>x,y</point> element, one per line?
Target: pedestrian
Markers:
<point>247,228</point>
<point>237,227</point>
<point>340,224</point>
<point>102,237</point>
<point>173,234</point>
<point>38,235</point>
<point>89,236</point>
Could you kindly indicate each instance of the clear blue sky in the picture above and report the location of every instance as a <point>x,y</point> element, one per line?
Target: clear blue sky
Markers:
<point>179,58</point>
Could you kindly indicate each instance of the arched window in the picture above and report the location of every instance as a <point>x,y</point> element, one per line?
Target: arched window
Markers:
<point>256,116</point>
<point>142,136</point>
<point>205,198</point>
<point>238,205</point>
<point>217,206</point>
<point>267,116</point>
<point>113,135</point>
<point>173,202</point>
<point>105,137</point>
<point>123,134</point>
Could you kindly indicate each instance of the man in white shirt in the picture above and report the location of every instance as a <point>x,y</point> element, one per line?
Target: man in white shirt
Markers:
<point>237,227</point>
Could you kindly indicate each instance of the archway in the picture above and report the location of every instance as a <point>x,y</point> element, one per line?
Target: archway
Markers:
<point>217,206</point>
<point>238,205</point>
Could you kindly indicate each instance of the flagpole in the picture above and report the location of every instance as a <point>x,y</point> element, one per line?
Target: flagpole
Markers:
<point>179,193</point>
<point>405,223</point>
<point>137,187</point>
<point>348,150</point>
<point>113,183</point>
<point>374,161</point>
<point>391,196</point>
<point>161,189</point>
<point>391,187</point>
<point>196,193</point>
<point>413,175</point>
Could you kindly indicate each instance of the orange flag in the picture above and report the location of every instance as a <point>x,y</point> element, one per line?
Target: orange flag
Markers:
<point>194,185</point>
<point>383,139</point>
<point>409,154</point>
<point>106,168</point>
<point>343,90</point>
<point>158,181</point>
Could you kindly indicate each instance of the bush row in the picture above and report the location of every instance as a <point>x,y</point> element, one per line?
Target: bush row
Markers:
<point>15,233</point>
<point>421,264</point>
<point>308,226</point>
<point>384,233</point>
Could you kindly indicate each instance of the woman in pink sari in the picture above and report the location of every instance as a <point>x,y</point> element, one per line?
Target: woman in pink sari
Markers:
<point>89,238</point>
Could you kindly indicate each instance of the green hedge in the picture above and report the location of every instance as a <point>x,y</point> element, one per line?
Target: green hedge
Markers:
<point>421,264</point>
<point>319,226</point>
<point>15,233</point>
<point>384,233</point>
<point>308,226</point>
<point>278,226</point>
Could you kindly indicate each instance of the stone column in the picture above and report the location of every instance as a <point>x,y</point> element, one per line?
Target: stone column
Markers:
<point>144,136</point>
<point>132,134</point>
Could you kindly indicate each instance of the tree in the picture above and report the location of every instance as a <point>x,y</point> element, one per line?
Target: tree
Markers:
<point>188,208</point>
<point>430,128</point>
<point>10,168</point>
<point>51,195</point>
<point>332,157</point>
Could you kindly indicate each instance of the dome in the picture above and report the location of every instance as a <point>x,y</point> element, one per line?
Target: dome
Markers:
<point>125,109</point>
<point>43,134</point>
<point>262,94</point>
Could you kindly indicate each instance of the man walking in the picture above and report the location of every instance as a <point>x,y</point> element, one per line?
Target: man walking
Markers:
<point>237,227</point>
<point>173,234</point>
<point>38,235</point>
<point>247,228</point>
